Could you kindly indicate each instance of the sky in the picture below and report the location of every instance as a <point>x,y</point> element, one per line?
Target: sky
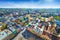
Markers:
<point>29,3</point>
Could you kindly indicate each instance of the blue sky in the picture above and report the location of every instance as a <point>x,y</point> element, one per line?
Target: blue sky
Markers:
<point>29,3</point>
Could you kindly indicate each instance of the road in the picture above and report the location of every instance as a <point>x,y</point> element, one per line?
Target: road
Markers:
<point>20,36</point>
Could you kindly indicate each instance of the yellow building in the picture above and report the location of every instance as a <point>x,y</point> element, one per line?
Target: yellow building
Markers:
<point>29,17</point>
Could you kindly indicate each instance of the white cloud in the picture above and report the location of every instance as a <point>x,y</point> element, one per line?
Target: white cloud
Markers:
<point>28,5</point>
<point>49,0</point>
